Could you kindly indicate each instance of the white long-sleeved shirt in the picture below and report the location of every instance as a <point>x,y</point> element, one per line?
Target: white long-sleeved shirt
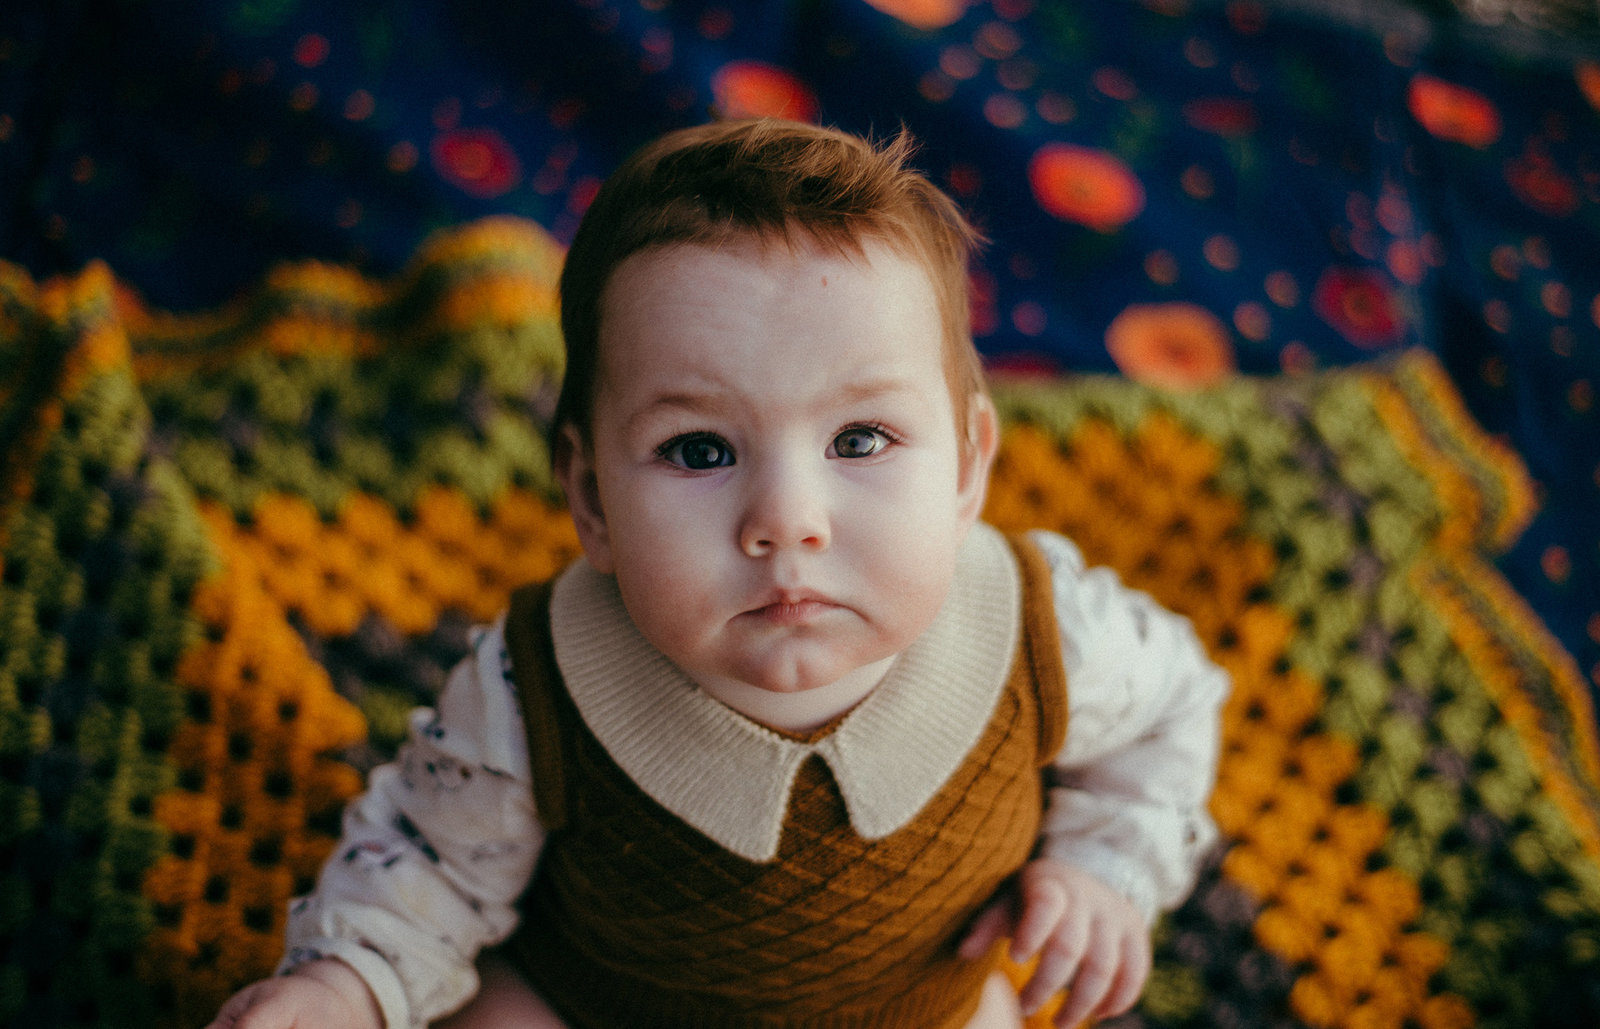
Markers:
<point>437,852</point>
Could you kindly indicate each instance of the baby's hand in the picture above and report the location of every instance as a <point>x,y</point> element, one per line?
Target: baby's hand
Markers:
<point>323,993</point>
<point>1089,938</point>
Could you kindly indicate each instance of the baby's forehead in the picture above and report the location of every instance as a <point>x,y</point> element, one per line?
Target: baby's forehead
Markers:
<point>694,298</point>
<point>768,246</point>
<point>773,256</point>
<point>730,273</point>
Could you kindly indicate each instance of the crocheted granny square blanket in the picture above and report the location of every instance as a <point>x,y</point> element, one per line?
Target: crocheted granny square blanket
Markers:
<point>238,545</point>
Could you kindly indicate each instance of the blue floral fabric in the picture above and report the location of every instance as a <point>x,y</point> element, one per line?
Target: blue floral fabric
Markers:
<point>1174,189</point>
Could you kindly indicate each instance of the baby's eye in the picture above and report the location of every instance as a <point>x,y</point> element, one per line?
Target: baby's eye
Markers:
<point>697,451</point>
<point>860,441</point>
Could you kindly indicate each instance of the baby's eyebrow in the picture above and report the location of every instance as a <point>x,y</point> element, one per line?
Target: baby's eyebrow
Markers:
<point>867,389</point>
<point>709,403</point>
<point>683,401</point>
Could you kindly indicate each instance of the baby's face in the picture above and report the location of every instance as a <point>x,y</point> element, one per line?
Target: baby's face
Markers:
<point>773,474</point>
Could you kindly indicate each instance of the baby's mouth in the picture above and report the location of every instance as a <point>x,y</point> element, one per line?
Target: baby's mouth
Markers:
<point>792,607</point>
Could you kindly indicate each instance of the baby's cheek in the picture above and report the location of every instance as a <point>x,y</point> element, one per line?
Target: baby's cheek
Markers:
<point>920,578</point>
<point>669,609</point>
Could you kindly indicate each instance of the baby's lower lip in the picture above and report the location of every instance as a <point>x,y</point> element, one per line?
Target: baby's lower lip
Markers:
<point>797,613</point>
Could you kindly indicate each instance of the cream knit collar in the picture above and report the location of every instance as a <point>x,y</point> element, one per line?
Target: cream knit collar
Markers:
<point>730,777</point>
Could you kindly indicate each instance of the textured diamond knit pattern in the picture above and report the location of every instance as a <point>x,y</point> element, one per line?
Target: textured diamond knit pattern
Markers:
<point>237,545</point>
<point>834,922</point>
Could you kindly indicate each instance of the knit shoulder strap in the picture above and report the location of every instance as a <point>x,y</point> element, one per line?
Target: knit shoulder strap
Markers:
<point>1040,648</point>
<point>538,681</point>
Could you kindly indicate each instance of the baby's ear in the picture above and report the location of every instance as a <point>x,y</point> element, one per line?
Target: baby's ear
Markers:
<point>977,455</point>
<point>574,468</point>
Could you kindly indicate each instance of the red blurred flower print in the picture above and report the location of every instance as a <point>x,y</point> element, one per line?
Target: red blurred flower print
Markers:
<point>755,89</point>
<point>1171,345</point>
<point>1542,185</point>
<point>1359,303</point>
<point>1453,112</point>
<point>923,14</point>
<point>1588,75</point>
<point>1222,116</point>
<point>479,162</point>
<point>1084,185</point>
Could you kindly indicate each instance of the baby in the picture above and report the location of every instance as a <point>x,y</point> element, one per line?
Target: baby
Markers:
<point>800,741</point>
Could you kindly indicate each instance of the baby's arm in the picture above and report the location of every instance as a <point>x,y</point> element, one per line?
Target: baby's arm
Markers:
<point>1126,824</point>
<point>432,860</point>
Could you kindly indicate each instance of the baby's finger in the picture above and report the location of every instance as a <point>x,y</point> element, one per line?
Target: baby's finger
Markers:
<point>1095,975</point>
<point>991,926</point>
<point>1044,904</point>
<point>1058,964</point>
<point>1131,976</point>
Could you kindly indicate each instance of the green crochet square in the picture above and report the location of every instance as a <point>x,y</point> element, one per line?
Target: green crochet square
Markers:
<point>102,550</point>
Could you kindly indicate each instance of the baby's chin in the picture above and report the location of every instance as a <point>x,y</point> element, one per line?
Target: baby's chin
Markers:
<point>791,677</point>
<point>787,672</point>
<point>796,697</point>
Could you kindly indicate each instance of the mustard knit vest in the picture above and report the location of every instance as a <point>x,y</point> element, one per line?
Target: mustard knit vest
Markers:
<point>635,918</point>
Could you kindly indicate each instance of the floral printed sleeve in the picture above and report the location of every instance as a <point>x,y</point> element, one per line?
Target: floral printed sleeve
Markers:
<point>435,854</point>
<point>1130,786</point>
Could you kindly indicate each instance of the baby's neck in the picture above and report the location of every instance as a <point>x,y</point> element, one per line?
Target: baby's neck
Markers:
<point>802,711</point>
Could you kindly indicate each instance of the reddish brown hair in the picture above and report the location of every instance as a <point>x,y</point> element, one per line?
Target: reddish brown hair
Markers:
<point>775,181</point>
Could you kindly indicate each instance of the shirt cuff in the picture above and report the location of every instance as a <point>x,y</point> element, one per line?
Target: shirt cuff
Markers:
<point>371,966</point>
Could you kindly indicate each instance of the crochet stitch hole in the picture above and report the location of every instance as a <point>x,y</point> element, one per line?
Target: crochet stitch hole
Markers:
<point>197,705</point>
<point>257,919</point>
<point>324,823</point>
<point>156,740</point>
<point>127,880</point>
<point>278,784</point>
<point>168,916</point>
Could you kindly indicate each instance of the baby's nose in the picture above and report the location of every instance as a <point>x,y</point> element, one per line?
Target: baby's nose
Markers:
<point>786,513</point>
<point>759,545</point>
